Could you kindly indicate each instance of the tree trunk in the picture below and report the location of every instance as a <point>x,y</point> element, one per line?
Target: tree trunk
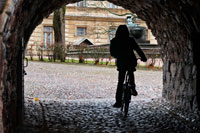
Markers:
<point>59,33</point>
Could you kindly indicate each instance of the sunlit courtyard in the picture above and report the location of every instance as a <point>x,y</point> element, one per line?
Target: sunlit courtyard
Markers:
<point>72,82</point>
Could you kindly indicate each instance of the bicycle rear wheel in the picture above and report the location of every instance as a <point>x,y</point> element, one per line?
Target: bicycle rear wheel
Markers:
<point>126,109</point>
<point>126,95</point>
<point>123,99</point>
<point>127,99</point>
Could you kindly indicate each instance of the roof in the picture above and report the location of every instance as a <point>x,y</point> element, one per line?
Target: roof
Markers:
<point>83,40</point>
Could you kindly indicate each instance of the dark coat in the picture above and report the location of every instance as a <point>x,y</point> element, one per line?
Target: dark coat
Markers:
<point>123,50</point>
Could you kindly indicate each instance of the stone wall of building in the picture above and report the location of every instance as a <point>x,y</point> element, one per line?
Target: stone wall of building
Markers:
<point>175,24</point>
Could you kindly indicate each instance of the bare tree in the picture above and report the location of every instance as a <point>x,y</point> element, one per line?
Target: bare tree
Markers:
<point>59,33</point>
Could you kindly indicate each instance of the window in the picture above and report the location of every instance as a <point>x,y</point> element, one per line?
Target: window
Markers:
<point>112,33</point>
<point>111,5</point>
<point>81,3</point>
<point>48,35</point>
<point>81,31</point>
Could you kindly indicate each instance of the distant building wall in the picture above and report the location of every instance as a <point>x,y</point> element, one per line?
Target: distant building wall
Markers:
<point>93,21</point>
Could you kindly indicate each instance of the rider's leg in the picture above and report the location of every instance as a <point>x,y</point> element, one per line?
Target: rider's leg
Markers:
<point>132,82</point>
<point>119,91</point>
<point>131,77</point>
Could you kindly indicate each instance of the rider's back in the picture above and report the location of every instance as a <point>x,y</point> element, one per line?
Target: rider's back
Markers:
<point>122,50</point>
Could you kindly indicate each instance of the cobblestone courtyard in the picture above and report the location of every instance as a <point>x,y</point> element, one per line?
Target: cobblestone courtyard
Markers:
<point>79,98</point>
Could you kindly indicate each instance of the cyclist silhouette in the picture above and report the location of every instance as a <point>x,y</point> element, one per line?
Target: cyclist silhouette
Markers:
<point>121,48</point>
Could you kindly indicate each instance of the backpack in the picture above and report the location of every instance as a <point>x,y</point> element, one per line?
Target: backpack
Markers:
<point>113,49</point>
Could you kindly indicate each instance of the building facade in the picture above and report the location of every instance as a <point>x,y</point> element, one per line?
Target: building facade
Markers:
<point>95,21</point>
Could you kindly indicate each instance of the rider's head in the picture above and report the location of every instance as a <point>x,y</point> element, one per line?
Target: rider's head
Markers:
<point>122,32</point>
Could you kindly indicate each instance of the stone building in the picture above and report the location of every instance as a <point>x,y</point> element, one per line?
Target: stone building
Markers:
<point>95,21</point>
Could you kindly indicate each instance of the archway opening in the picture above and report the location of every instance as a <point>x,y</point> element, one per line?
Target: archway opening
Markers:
<point>83,84</point>
<point>173,23</point>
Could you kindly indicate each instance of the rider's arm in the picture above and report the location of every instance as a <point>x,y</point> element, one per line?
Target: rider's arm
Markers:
<point>139,51</point>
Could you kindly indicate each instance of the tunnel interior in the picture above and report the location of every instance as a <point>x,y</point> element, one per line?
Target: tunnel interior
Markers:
<point>173,23</point>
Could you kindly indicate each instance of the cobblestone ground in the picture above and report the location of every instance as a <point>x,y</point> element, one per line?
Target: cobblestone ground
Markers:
<point>79,98</point>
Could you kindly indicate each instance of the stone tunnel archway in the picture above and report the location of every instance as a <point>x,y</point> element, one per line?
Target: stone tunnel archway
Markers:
<point>175,24</point>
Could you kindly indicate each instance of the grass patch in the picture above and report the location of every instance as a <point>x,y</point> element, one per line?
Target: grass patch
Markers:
<point>92,63</point>
<point>73,61</point>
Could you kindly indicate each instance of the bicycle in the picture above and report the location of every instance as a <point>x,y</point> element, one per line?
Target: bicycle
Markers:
<point>126,94</point>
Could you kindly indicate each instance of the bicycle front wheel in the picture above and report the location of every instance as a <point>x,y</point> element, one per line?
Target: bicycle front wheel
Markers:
<point>123,102</point>
<point>126,109</point>
<point>127,99</point>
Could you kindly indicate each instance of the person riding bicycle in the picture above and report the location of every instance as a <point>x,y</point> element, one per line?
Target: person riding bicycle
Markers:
<point>122,48</point>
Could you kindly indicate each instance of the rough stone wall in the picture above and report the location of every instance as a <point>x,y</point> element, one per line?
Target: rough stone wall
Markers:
<point>8,69</point>
<point>172,22</point>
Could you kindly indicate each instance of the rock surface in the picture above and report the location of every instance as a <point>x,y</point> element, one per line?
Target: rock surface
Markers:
<point>98,115</point>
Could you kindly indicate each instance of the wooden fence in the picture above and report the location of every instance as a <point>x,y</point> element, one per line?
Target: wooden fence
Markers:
<point>93,51</point>
<point>102,51</point>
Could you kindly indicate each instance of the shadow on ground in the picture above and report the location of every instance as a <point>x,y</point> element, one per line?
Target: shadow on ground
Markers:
<point>97,115</point>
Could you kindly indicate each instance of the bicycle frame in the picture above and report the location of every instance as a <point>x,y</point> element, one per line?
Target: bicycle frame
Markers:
<point>126,95</point>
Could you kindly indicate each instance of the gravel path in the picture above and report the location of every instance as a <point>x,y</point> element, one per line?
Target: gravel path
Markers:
<point>79,98</point>
<point>70,82</point>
